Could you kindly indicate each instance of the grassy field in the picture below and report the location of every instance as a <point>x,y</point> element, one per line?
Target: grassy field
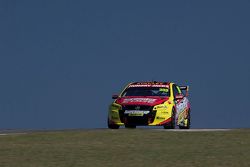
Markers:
<point>126,147</point>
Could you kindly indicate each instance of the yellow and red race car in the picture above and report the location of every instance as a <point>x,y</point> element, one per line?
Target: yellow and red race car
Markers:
<point>150,103</point>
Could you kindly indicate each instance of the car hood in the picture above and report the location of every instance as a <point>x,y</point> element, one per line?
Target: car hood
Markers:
<point>141,100</point>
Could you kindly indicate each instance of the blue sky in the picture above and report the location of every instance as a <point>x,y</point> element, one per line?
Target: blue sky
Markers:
<point>60,61</point>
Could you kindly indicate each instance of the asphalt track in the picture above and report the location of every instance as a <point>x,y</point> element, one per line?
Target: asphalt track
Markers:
<point>23,132</point>
<point>193,130</point>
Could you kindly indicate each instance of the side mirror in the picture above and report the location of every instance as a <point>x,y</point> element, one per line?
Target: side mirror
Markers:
<point>115,96</point>
<point>179,97</point>
<point>185,89</point>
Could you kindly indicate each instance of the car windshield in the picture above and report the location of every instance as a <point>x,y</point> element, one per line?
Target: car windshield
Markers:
<point>146,91</point>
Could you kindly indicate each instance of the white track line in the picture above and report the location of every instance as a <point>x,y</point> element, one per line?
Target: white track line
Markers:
<point>2,134</point>
<point>7,134</point>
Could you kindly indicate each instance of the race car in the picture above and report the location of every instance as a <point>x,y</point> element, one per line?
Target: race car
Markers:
<point>150,104</point>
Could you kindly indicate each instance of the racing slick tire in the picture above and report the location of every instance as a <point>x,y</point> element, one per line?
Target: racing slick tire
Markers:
<point>188,122</point>
<point>112,126</point>
<point>130,126</point>
<point>171,125</point>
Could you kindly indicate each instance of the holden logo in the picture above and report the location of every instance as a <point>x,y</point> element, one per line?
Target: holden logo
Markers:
<point>137,107</point>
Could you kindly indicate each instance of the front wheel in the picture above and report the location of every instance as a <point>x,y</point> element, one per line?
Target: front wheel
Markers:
<point>171,124</point>
<point>112,126</point>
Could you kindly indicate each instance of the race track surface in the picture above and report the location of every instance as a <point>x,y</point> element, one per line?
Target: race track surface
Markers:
<point>193,130</point>
<point>23,132</point>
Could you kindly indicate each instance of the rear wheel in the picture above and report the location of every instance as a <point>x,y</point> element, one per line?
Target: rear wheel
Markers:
<point>171,124</point>
<point>112,126</point>
<point>188,122</point>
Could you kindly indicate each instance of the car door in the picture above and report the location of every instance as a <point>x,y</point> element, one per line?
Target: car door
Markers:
<point>181,105</point>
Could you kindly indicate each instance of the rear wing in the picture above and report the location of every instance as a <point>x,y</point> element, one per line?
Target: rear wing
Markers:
<point>185,88</point>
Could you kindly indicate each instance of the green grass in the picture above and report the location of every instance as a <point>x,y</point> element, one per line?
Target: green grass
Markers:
<point>126,147</point>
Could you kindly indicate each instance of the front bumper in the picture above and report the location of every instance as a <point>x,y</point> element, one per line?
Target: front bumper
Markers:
<point>156,116</point>
<point>132,116</point>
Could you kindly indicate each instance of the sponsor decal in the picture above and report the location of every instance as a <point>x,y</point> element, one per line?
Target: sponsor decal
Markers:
<point>182,105</point>
<point>136,112</point>
<point>163,90</point>
<point>158,107</point>
<point>149,85</point>
<point>139,100</point>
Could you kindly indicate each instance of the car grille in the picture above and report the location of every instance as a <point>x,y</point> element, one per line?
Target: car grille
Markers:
<point>137,120</point>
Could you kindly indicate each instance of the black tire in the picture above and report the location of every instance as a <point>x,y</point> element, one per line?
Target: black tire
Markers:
<point>171,125</point>
<point>188,122</point>
<point>112,126</point>
<point>130,126</point>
